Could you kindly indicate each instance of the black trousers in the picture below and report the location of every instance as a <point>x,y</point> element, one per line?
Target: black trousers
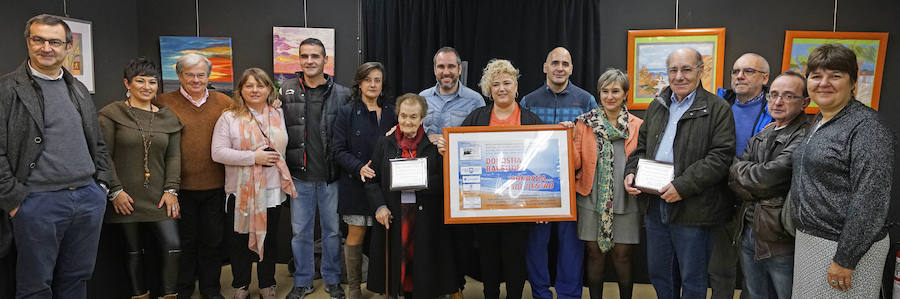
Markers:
<point>242,257</point>
<point>502,257</point>
<point>201,228</point>
<point>166,232</point>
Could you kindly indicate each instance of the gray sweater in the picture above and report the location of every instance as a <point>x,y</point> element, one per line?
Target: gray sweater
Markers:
<point>65,161</point>
<point>842,181</point>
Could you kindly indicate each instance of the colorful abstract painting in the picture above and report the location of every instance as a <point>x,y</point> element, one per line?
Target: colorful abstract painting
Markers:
<point>286,47</point>
<point>647,53</point>
<point>216,49</point>
<point>868,46</point>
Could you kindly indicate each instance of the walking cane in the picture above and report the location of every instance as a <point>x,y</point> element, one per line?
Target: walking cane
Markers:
<point>387,262</point>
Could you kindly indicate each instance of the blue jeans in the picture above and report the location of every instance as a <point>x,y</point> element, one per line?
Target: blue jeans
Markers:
<point>310,196</point>
<point>768,278</point>
<point>569,265</point>
<point>57,234</point>
<point>677,256</point>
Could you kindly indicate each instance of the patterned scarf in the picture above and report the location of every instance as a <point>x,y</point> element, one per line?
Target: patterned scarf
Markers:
<point>250,206</point>
<point>606,133</point>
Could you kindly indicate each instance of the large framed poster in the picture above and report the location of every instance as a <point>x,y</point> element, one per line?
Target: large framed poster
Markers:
<point>647,53</point>
<point>80,60</point>
<point>870,49</point>
<point>508,174</point>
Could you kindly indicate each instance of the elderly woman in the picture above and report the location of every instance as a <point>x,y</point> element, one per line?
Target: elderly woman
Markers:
<point>356,129</point>
<point>419,251</point>
<point>249,139</point>
<point>841,186</point>
<point>608,219</point>
<point>502,245</point>
<point>144,143</point>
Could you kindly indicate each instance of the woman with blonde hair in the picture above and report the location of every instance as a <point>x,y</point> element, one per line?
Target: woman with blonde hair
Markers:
<point>502,245</point>
<point>250,139</point>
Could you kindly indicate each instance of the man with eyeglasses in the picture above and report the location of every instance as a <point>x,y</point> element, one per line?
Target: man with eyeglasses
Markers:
<point>202,193</point>
<point>53,168</point>
<point>747,97</point>
<point>761,178</point>
<point>694,130</point>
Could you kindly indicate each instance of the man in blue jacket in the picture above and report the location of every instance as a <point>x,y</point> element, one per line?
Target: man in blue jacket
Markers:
<point>747,97</point>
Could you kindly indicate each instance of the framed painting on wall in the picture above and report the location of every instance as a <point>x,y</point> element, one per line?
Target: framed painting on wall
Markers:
<point>216,49</point>
<point>870,49</point>
<point>647,52</point>
<point>80,60</point>
<point>286,49</point>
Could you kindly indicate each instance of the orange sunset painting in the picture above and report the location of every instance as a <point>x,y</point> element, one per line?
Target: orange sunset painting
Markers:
<point>216,49</point>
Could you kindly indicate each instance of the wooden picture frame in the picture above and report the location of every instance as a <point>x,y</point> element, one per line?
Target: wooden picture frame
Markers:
<point>509,174</point>
<point>870,49</point>
<point>647,52</point>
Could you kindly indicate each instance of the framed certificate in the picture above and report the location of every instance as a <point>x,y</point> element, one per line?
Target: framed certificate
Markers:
<point>508,174</point>
<point>409,174</point>
<point>652,175</point>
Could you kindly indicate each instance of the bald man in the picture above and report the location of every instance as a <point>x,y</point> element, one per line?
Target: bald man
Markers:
<point>694,130</point>
<point>558,100</point>
<point>747,96</point>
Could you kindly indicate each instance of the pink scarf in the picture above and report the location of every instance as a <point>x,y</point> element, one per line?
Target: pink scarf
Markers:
<point>250,206</point>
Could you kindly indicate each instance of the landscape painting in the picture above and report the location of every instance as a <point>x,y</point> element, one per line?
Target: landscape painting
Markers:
<point>647,52</point>
<point>870,49</point>
<point>216,49</point>
<point>286,47</point>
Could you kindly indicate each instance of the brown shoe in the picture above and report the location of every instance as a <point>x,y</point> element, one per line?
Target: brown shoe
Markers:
<point>169,296</point>
<point>144,296</point>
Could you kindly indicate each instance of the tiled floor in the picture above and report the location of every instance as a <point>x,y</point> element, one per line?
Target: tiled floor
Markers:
<point>473,288</point>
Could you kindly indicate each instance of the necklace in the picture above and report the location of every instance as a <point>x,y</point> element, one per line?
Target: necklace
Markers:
<point>146,139</point>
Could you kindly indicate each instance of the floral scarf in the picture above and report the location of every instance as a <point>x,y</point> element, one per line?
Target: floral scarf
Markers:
<point>605,133</point>
<point>250,206</point>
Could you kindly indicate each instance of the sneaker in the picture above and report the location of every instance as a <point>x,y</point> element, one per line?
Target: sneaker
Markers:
<point>335,291</point>
<point>300,292</point>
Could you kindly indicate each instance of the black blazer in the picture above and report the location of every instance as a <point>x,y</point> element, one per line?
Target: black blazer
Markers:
<point>482,117</point>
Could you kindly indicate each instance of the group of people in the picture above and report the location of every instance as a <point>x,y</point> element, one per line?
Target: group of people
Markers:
<point>801,203</point>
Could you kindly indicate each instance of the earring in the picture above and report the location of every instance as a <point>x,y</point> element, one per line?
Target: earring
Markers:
<point>128,93</point>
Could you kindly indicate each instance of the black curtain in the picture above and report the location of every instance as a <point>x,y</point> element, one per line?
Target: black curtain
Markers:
<point>405,34</point>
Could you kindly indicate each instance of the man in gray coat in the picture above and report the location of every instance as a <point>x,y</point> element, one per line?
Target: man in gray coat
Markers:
<point>53,167</point>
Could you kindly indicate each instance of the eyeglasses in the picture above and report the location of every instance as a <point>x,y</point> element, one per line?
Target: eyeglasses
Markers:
<point>198,76</point>
<point>787,98</point>
<point>685,70</point>
<point>747,71</point>
<point>37,41</point>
